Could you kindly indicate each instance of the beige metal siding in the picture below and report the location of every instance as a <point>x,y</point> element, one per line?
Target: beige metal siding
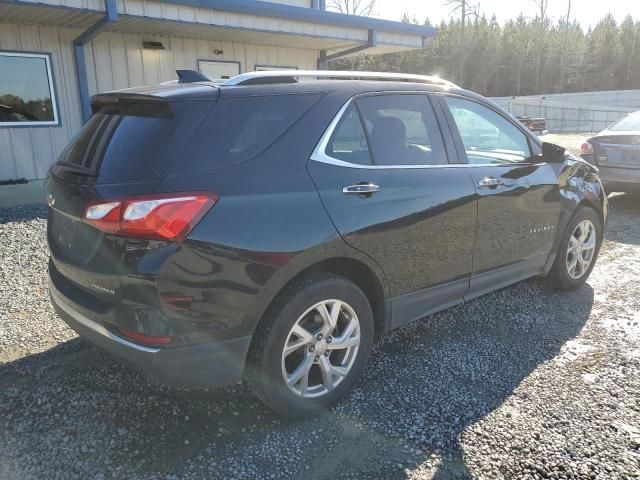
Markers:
<point>118,61</point>
<point>154,9</point>
<point>412,41</point>
<point>295,3</point>
<point>83,4</point>
<point>27,152</point>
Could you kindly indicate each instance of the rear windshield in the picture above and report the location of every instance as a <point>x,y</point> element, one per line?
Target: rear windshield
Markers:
<point>627,124</point>
<point>133,141</point>
<point>239,128</point>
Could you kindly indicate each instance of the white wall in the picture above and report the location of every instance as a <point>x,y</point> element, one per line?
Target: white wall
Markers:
<point>114,61</point>
<point>608,98</point>
<point>582,112</point>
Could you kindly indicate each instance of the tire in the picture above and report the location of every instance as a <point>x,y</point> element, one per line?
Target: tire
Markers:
<point>561,274</point>
<point>267,364</point>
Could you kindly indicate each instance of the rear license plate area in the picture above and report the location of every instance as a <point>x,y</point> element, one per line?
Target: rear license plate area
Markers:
<point>65,231</point>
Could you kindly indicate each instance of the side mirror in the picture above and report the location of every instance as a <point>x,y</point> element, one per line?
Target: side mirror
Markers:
<point>553,153</point>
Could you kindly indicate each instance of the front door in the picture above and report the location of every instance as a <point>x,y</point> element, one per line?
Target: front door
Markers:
<point>383,176</point>
<point>519,201</point>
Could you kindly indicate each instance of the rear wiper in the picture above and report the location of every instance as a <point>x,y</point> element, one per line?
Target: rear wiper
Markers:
<point>77,169</point>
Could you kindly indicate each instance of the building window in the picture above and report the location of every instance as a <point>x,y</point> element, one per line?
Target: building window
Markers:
<point>218,69</point>
<point>27,94</point>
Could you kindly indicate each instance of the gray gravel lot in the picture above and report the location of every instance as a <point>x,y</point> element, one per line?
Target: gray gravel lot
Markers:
<point>523,383</point>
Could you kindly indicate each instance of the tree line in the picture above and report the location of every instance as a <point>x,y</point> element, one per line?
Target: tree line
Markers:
<point>14,108</point>
<point>522,57</point>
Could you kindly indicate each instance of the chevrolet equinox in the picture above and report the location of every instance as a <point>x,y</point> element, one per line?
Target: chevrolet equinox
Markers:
<point>269,228</point>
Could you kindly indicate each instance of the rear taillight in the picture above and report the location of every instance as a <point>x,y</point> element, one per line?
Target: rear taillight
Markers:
<point>140,338</point>
<point>159,217</point>
<point>586,149</point>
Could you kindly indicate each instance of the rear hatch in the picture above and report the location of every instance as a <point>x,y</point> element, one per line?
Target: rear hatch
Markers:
<point>125,150</point>
<point>617,150</point>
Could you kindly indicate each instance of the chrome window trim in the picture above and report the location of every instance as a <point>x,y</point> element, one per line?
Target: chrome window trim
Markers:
<point>319,153</point>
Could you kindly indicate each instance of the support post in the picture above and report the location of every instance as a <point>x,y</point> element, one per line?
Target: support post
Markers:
<point>324,57</point>
<point>111,15</point>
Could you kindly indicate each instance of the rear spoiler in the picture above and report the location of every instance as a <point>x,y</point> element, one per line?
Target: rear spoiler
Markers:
<point>133,104</point>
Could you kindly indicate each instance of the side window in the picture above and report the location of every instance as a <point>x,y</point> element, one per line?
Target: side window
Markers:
<point>349,142</point>
<point>240,128</point>
<point>402,130</point>
<point>487,136</point>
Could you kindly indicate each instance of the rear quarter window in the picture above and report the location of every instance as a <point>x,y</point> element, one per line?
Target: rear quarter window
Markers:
<point>239,128</point>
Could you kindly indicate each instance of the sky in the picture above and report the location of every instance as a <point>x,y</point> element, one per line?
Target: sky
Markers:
<point>25,77</point>
<point>587,12</point>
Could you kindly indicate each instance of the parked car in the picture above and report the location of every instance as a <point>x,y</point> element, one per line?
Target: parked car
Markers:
<point>269,228</point>
<point>536,125</point>
<point>616,152</point>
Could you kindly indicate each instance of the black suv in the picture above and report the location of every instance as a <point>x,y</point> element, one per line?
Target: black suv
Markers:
<point>269,228</point>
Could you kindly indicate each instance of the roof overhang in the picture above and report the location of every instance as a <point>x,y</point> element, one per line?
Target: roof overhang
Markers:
<point>301,14</point>
<point>244,21</point>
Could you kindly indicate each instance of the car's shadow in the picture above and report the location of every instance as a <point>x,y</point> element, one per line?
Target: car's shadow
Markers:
<point>73,408</point>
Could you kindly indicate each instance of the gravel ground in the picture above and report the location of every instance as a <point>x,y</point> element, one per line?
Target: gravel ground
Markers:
<point>523,383</point>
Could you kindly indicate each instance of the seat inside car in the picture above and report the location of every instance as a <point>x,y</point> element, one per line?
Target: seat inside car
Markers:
<point>389,140</point>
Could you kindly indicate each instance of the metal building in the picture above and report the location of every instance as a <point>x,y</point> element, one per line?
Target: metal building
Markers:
<point>55,54</point>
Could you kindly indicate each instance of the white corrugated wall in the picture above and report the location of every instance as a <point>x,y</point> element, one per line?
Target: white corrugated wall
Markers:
<point>114,60</point>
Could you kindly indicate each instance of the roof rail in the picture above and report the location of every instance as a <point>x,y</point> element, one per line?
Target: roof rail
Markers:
<point>291,76</point>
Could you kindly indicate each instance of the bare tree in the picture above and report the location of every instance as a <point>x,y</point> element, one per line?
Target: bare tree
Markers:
<point>465,10</point>
<point>353,7</point>
<point>542,8</point>
<point>542,18</point>
<point>567,25</point>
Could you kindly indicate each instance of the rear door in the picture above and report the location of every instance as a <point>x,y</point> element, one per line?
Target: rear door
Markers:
<point>519,201</point>
<point>383,174</point>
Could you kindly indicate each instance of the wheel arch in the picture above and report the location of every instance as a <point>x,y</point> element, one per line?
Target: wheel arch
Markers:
<point>590,203</point>
<point>369,278</point>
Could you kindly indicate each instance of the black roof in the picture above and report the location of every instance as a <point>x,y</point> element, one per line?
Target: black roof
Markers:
<point>213,90</point>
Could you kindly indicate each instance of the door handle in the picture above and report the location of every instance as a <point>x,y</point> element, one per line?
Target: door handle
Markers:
<point>361,189</point>
<point>490,182</point>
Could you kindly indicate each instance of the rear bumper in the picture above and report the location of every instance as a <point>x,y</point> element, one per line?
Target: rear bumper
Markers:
<point>620,179</point>
<point>198,366</point>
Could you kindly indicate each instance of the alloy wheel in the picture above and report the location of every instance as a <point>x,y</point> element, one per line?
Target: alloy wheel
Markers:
<point>321,348</point>
<point>581,249</point>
